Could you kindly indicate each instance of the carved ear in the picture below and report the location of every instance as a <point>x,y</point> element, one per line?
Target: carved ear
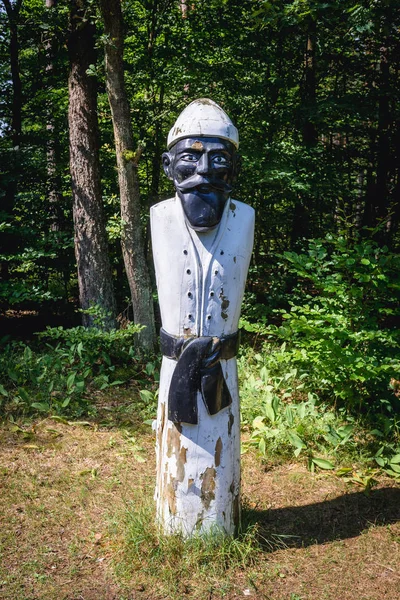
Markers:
<point>237,166</point>
<point>166,161</point>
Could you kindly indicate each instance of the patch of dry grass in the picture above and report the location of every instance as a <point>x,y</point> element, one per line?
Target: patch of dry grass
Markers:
<point>59,484</point>
<point>65,493</point>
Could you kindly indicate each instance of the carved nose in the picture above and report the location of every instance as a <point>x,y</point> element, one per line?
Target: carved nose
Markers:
<point>203,166</point>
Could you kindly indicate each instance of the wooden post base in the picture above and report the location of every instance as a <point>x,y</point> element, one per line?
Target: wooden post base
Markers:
<point>198,466</point>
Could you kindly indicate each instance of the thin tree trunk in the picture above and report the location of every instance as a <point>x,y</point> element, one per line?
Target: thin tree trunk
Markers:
<point>16,119</point>
<point>10,244</point>
<point>127,159</point>
<point>377,200</point>
<point>52,150</point>
<point>310,86</point>
<point>156,93</point>
<point>383,141</point>
<point>91,248</point>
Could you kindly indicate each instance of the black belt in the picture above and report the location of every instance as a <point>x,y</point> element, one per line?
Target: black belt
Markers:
<point>198,369</point>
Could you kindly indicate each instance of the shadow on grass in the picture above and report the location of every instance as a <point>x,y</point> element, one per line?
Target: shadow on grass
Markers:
<point>344,517</point>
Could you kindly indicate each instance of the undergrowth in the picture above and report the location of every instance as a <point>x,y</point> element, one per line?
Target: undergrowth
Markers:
<point>285,421</point>
<point>325,381</point>
<point>339,329</point>
<point>324,384</point>
<point>62,371</point>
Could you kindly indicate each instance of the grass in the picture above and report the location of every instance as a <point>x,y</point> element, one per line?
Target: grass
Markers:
<point>77,522</point>
<point>168,563</point>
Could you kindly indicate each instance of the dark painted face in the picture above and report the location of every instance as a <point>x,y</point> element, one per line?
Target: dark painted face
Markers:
<point>203,170</point>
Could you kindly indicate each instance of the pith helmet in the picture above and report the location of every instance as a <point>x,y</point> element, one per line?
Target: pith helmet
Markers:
<point>203,118</point>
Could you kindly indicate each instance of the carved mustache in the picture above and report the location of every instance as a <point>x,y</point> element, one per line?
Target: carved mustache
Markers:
<point>197,181</point>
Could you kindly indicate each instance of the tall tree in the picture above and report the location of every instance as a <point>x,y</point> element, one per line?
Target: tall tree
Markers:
<point>91,248</point>
<point>52,150</point>
<point>13,12</point>
<point>127,159</point>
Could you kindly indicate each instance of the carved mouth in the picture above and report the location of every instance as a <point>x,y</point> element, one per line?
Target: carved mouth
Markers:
<point>204,188</point>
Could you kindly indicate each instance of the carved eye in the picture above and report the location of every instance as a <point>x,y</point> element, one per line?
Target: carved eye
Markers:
<point>219,159</point>
<point>189,157</point>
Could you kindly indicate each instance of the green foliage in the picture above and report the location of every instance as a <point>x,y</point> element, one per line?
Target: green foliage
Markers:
<point>58,376</point>
<point>285,421</point>
<point>332,364</point>
<point>333,308</point>
<point>249,58</point>
<point>338,332</point>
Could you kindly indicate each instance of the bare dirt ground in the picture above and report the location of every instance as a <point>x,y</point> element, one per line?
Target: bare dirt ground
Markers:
<point>64,485</point>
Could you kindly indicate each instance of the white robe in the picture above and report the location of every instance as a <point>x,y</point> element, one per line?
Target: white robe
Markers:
<point>200,280</point>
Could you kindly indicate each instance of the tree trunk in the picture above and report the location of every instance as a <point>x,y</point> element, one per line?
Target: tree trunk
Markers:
<point>381,150</point>
<point>91,248</point>
<point>383,142</point>
<point>10,244</point>
<point>309,99</point>
<point>54,195</point>
<point>127,159</point>
<point>16,119</point>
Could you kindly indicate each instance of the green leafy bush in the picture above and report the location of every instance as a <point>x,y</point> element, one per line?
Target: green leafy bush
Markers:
<point>56,376</point>
<point>325,383</point>
<point>284,421</point>
<point>339,331</point>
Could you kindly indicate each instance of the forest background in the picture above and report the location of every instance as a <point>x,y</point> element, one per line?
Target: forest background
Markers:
<point>313,89</point>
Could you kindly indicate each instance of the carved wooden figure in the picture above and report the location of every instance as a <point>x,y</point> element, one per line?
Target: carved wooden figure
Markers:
<point>202,243</point>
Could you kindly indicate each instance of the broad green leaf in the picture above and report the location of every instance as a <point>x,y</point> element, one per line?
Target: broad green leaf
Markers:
<point>23,394</point>
<point>27,353</point>
<point>392,473</point>
<point>322,463</point>
<point>345,431</point>
<point>70,380</point>
<point>59,419</point>
<point>12,375</point>
<point>344,471</point>
<point>295,440</point>
<point>42,406</point>
<point>377,433</point>
<point>146,395</point>
<point>301,410</point>
<point>269,412</point>
<point>395,459</point>
<point>264,374</point>
<point>16,429</point>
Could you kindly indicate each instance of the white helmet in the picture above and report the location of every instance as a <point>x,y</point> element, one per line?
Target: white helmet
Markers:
<point>203,118</point>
